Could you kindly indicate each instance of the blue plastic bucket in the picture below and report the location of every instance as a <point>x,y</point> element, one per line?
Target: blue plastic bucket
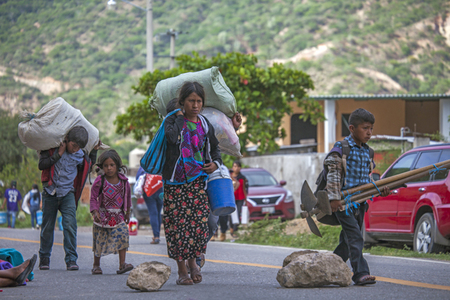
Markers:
<point>221,196</point>
<point>39,217</point>
<point>3,216</point>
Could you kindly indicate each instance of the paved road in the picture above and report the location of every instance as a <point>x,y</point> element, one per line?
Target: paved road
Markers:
<point>232,271</point>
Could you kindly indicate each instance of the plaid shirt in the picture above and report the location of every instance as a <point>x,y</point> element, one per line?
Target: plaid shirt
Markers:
<point>358,169</point>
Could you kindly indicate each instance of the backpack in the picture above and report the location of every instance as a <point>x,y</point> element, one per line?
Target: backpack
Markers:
<point>321,181</point>
<point>34,199</point>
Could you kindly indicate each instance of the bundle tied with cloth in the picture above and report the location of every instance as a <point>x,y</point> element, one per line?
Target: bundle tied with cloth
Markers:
<point>47,128</point>
<point>220,107</point>
<point>220,104</point>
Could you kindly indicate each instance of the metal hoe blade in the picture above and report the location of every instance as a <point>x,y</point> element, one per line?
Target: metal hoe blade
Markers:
<point>323,203</point>
<point>313,227</point>
<point>309,201</point>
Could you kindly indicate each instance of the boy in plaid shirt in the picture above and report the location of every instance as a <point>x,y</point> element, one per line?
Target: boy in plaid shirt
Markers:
<point>358,170</point>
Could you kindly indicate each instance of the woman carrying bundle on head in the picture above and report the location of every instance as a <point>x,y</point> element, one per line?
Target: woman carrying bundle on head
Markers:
<point>192,154</point>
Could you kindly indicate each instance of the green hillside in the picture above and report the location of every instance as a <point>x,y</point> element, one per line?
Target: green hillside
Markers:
<point>96,54</point>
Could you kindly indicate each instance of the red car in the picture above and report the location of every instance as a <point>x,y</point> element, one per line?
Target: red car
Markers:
<point>418,214</point>
<point>267,197</point>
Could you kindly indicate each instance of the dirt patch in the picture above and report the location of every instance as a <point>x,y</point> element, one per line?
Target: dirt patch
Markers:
<point>296,226</point>
<point>293,227</point>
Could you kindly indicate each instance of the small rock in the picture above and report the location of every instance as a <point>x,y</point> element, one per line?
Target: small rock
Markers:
<point>314,269</point>
<point>149,276</point>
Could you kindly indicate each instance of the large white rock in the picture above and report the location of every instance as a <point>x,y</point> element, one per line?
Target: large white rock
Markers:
<point>314,269</point>
<point>149,276</point>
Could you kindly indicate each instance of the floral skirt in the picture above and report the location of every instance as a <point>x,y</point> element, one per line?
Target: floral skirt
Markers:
<point>109,240</point>
<point>186,211</point>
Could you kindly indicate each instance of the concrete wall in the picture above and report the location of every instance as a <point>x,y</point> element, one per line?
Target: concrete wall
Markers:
<point>295,169</point>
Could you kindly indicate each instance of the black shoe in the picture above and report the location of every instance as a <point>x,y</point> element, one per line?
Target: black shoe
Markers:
<point>44,263</point>
<point>72,266</point>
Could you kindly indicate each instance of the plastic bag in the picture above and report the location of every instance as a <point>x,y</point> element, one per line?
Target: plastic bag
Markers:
<point>217,93</point>
<point>224,131</point>
<point>49,126</point>
<point>234,217</point>
<point>138,186</point>
<point>244,214</point>
<point>21,216</point>
<point>25,201</point>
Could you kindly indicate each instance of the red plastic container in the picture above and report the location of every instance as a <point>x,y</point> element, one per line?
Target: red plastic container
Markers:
<point>133,226</point>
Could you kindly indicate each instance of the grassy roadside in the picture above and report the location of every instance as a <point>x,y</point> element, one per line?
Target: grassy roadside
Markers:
<point>83,218</point>
<point>272,232</point>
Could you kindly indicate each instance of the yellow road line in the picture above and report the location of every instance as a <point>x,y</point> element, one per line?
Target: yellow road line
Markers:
<point>384,279</point>
<point>414,283</point>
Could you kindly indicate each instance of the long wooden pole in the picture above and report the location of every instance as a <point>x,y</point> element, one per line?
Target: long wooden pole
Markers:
<point>371,190</point>
<point>385,181</point>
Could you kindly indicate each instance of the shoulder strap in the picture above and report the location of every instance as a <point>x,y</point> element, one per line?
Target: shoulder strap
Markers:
<point>372,163</point>
<point>103,182</point>
<point>345,154</point>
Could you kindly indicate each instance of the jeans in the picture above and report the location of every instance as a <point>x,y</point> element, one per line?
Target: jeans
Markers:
<point>33,211</point>
<point>239,204</point>
<point>223,220</point>
<point>12,214</point>
<point>351,241</point>
<point>154,206</point>
<point>50,206</point>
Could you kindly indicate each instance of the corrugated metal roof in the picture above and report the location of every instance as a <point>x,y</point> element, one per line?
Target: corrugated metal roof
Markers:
<point>409,139</point>
<point>361,97</point>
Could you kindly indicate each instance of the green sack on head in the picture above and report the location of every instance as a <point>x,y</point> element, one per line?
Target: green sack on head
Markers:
<point>217,93</point>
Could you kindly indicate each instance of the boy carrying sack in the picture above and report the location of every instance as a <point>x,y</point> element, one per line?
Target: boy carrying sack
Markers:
<point>64,173</point>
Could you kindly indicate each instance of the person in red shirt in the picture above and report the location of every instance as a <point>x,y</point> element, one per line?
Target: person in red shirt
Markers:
<point>240,194</point>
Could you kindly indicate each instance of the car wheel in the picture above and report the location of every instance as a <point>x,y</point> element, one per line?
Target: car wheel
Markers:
<point>424,235</point>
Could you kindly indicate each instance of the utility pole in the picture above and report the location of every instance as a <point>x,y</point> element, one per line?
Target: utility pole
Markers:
<point>149,36</point>
<point>149,11</point>
<point>172,34</point>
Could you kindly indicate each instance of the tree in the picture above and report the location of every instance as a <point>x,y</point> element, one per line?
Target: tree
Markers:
<point>263,97</point>
<point>11,148</point>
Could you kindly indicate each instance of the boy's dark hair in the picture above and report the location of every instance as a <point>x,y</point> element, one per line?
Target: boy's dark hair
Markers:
<point>111,153</point>
<point>14,184</point>
<point>360,116</point>
<point>35,187</point>
<point>78,135</point>
<point>238,163</point>
<point>188,88</point>
<point>172,105</point>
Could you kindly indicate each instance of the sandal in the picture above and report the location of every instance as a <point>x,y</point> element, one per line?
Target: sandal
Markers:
<point>96,270</point>
<point>125,268</point>
<point>184,280</point>
<point>196,275</point>
<point>203,260</point>
<point>28,269</point>
<point>366,279</point>
<point>155,241</point>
